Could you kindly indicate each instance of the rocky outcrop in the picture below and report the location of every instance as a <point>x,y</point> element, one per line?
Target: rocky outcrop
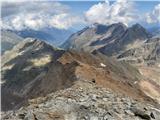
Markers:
<point>84,100</point>
<point>148,53</point>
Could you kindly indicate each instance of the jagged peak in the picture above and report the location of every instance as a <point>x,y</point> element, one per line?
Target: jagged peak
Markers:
<point>36,41</point>
<point>119,24</point>
<point>30,44</point>
<point>108,25</point>
<point>102,26</point>
<point>30,39</point>
<point>137,26</point>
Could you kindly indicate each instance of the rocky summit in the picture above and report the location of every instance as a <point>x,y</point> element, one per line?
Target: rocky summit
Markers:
<point>84,101</point>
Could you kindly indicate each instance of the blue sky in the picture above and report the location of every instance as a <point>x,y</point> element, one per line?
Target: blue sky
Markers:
<point>82,6</point>
<point>146,6</point>
<point>77,14</point>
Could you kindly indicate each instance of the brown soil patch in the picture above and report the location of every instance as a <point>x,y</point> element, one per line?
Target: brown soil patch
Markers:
<point>150,89</point>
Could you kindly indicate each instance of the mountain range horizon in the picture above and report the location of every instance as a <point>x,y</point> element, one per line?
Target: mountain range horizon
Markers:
<point>44,36</point>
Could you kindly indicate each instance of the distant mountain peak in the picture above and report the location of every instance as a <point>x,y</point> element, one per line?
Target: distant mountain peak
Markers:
<point>119,24</point>
<point>139,31</point>
<point>137,26</point>
<point>8,40</point>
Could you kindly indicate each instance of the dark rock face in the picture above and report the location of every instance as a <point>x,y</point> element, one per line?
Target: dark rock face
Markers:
<point>101,29</point>
<point>141,113</point>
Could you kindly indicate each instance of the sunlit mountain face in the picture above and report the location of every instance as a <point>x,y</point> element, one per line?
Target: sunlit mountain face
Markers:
<point>74,60</point>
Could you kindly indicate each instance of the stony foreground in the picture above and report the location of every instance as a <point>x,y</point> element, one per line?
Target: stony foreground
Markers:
<point>84,101</point>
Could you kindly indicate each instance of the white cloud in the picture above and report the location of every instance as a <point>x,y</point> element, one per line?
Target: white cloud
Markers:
<point>106,13</point>
<point>37,15</point>
<point>154,16</point>
<point>64,20</point>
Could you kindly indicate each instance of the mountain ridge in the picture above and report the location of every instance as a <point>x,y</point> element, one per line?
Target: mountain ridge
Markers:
<point>33,68</point>
<point>112,38</point>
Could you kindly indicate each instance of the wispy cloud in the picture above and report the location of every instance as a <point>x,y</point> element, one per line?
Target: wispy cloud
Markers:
<point>106,13</point>
<point>154,15</point>
<point>37,15</point>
